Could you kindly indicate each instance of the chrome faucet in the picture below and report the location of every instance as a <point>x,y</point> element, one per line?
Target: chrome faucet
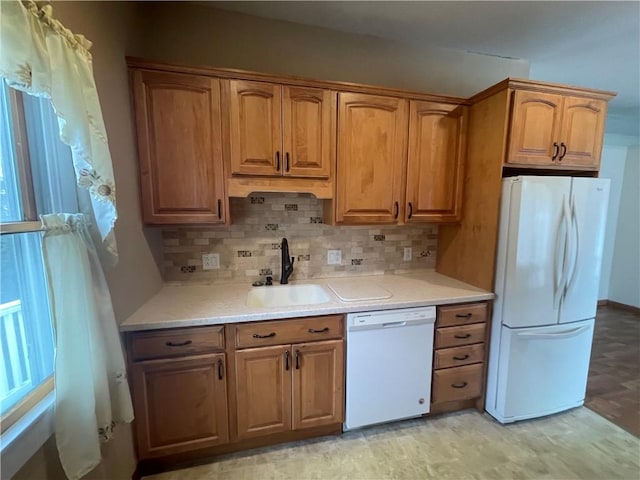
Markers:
<point>287,262</point>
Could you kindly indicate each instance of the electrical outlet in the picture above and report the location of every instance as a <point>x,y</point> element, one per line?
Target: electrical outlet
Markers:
<point>407,254</point>
<point>334,257</point>
<point>210,261</point>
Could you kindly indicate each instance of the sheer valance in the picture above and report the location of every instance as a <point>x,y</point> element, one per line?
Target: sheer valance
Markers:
<point>38,55</point>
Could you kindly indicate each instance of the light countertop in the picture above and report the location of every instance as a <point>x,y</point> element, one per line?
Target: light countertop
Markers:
<point>196,305</point>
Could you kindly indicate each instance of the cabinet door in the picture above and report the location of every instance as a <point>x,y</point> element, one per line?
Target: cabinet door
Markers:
<point>179,147</point>
<point>263,383</point>
<point>372,139</point>
<point>180,404</point>
<point>318,384</point>
<point>582,130</point>
<point>308,131</point>
<point>255,128</point>
<point>535,125</point>
<point>435,162</point>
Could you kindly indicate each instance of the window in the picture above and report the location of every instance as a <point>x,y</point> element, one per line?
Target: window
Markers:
<point>36,177</point>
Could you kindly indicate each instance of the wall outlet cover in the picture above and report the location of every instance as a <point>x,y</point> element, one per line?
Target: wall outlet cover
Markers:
<point>334,257</point>
<point>407,254</point>
<point>210,261</point>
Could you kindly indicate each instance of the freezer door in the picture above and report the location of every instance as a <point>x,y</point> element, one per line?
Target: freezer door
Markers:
<point>588,204</point>
<point>532,266</point>
<point>542,370</point>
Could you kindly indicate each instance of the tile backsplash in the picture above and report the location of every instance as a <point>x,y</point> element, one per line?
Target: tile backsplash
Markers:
<point>249,249</point>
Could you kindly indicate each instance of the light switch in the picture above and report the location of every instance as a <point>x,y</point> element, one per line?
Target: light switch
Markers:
<point>334,257</point>
<point>210,261</point>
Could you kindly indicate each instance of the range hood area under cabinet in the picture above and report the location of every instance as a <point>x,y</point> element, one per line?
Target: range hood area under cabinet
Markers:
<point>376,155</point>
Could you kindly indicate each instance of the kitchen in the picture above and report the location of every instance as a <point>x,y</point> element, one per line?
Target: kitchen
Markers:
<point>137,279</point>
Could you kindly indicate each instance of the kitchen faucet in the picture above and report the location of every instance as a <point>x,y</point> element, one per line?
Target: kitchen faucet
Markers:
<point>287,262</point>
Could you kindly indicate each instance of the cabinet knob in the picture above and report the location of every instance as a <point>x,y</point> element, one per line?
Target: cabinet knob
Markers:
<point>466,335</point>
<point>459,385</point>
<point>287,162</point>
<point>410,210</point>
<point>555,150</point>
<point>277,161</point>
<point>396,210</point>
<point>270,335</point>
<point>297,359</point>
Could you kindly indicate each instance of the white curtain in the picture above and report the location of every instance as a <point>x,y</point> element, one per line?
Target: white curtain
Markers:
<point>92,393</point>
<point>38,55</point>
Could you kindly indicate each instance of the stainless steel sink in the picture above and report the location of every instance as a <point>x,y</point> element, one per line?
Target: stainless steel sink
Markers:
<point>287,296</point>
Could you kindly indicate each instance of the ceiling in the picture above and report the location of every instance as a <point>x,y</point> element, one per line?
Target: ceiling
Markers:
<point>591,44</point>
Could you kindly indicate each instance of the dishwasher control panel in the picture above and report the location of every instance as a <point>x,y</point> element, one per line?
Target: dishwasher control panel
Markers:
<point>392,317</point>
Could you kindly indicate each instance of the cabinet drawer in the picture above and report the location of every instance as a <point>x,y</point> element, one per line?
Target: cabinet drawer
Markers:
<point>461,314</point>
<point>459,383</point>
<point>462,335</point>
<point>280,332</point>
<point>176,342</point>
<point>457,356</point>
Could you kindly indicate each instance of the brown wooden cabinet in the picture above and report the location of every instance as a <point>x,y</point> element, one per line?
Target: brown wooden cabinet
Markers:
<point>556,130</point>
<point>380,180</point>
<point>179,389</point>
<point>278,130</point>
<point>293,386</point>
<point>179,147</point>
<point>459,357</point>
<point>435,162</point>
<point>371,159</point>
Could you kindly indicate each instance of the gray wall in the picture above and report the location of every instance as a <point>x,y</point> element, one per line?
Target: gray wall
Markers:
<point>196,34</point>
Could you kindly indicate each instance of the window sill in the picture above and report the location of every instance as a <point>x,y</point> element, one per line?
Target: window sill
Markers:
<point>25,437</point>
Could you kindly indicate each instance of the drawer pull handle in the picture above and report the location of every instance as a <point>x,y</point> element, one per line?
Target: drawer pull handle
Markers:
<point>181,344</point>
<point>286,359</point>
<point>297,359</point>
<point>324,330</point>
<point>465,315</point>
<point>466,335</point>
<point>459,385</point>
<point>220,370</point>
<point>271,335</point>
<point>461,358</point>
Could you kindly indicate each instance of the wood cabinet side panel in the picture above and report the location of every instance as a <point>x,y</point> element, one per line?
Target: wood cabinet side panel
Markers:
<point>467,251</point>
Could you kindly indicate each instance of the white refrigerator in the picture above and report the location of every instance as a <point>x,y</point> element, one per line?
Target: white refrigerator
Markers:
<point>547,277</point>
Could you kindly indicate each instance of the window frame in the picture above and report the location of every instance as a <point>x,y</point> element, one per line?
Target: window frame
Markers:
<point>28,224</point>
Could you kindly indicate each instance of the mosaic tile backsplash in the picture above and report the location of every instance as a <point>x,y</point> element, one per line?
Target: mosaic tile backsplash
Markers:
<point>249,249</point>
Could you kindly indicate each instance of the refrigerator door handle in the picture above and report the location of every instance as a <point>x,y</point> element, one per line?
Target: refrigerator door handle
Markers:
<point>575,245</point>
<point>560,261</point>
<point>564,334</point>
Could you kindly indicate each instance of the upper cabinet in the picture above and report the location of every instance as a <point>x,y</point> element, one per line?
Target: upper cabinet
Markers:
<point>280,130</point>
<point>179,147</point>
<point>371,159</point>
<point>437,134</point>
<point>382,181</point>
<point>555,130</point>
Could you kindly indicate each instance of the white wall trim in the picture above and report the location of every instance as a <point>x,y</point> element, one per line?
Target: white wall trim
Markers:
<point>25,437</point>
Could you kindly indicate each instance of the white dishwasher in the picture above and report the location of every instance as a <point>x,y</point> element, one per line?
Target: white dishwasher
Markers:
<point>389,356</point>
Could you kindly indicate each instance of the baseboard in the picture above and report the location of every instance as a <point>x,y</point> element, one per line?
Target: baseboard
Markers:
<point>619,306</point>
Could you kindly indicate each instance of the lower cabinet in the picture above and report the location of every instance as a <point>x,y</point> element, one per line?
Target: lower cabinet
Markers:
<point>459,357</point>
<point>195,391</point>
<point>180,404</point>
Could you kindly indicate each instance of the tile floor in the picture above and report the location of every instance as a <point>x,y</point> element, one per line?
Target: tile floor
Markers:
<point>578,444</point>
<point>613,389</point>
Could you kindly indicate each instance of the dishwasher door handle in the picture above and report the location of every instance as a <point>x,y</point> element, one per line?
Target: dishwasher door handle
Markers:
<point>393,324</point>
